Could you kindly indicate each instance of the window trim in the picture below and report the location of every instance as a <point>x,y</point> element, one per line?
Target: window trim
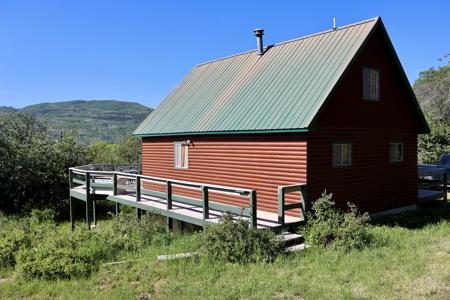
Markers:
<point>403,153</point>
<point>351,154</point>
<point>379,84</point>
<point>181,144</point>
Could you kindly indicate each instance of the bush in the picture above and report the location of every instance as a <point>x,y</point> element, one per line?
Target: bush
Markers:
<point>329,227</point>
<point>234,242</point>
<point>128,233</point>
<point>61,256</point>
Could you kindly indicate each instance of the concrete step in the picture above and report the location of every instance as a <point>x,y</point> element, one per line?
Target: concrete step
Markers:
<point>290,239</point>
<point>296,248</point>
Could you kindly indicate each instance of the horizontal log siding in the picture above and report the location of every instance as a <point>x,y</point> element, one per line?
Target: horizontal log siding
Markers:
<point>372,182</point>
<point>261,162</point>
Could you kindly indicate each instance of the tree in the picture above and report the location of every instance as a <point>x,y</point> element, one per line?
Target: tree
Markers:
<point>33,167</point>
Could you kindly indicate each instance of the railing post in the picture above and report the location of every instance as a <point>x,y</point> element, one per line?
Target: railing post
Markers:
<point>138,188</point>
<point>205,196</point>
<point>88,199</point>
<point>281,205</point>
<point>70,179</point>
<point>304,196</point>
<point>114,184</point>
<point>169,194</point>
<point>253,216</point>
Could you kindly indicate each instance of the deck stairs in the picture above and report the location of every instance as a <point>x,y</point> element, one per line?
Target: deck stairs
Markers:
<point>293,242</point>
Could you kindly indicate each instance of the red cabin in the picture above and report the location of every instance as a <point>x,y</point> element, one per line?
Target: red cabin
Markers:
<point>330,111</point>
<point>333,110</point>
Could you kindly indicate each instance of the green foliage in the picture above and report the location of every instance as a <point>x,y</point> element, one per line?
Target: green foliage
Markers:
<point>128,233</point>
<point>234,242</point>
<point>33,168</point>
<point>433,93</point>
<point>128,151</point>
<point>431,146</point>
<point>106,120</point>
<point>329,227</point>
<point>39,248</point>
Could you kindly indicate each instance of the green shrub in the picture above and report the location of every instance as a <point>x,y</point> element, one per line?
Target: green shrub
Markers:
<point>329,227</point>
<point>39,248</point>
<point>63,256</point>
<point>11,241</point>
<point>128,233</point>
<point>233,241</point>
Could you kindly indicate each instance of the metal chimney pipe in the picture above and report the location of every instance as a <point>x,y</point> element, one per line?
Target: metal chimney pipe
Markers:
<point>259,40</point>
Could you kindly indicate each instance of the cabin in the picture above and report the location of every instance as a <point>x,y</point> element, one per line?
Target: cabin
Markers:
<point>267,131</point>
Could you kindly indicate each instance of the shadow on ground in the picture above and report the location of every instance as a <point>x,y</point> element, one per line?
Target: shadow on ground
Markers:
<point>427,214</point>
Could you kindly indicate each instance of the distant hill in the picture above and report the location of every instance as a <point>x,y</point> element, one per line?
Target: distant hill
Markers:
<point>107,120</point>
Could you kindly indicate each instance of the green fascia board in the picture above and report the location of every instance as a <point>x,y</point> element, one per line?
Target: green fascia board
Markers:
<point>242,132</point>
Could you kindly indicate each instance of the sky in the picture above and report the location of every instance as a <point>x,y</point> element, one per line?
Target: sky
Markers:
<point>139,50</point>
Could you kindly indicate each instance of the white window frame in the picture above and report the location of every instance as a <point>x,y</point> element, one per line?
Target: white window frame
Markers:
<point>371,89</point>
<point>178,158</point>
<point>342,161</point>
<point>395,157</point>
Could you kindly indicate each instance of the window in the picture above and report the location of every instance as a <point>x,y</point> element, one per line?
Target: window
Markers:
<point>371,84</point>
<point>181,155</point>
<point>342,155</point>
<point>395,152</point>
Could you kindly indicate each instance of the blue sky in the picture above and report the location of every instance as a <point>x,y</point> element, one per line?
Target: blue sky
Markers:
<point>139,50</point>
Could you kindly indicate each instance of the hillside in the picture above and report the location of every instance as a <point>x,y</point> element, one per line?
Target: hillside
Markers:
<point>107,120</point>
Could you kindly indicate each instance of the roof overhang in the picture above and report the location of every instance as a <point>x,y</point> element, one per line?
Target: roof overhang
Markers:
<point>240,132</point>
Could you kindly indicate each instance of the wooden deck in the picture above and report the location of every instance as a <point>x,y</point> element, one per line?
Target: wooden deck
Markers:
<point>180,211</point>
<point>91,183</point>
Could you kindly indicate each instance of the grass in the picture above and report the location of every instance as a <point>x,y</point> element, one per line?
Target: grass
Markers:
<point>410,259</point>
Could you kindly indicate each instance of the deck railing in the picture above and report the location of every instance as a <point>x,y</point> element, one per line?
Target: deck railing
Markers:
<point>87,176</point>
<point>283,207</point>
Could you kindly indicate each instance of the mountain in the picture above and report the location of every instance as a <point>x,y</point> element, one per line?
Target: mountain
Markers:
<point>107,120</point>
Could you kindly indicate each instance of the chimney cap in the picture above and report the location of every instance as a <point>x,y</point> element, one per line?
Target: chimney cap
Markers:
<point>259,32</point>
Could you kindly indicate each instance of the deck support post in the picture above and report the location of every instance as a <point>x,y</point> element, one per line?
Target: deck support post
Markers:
<point>94,215</point>
<point>117,209</point>
<point>281,205</point>
<point>253,212</point>
<point>71,206</point>
<point>138,213</point>
<point>169,224</point>
<point>72,219</point>
<point>205,197</point>
<point>88,199</point>
<point>445,187</point>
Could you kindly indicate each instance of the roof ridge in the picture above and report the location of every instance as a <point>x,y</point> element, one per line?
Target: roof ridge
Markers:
<point>292,40</point>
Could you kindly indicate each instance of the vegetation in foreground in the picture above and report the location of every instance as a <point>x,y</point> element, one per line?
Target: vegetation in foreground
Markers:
<point>409,258</point>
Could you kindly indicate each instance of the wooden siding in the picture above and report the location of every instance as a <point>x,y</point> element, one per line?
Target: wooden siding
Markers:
<point>371,182</point>
<point>261,162</point>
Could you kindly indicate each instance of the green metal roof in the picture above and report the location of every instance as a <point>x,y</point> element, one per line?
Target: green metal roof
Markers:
<point>281,90</point>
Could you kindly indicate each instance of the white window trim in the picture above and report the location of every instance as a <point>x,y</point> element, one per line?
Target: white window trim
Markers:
<point>402,153</point>
<point>342,164</point>
<point>180,144</point>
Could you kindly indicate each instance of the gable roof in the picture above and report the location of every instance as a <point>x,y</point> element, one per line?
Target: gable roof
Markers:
<point>280,91</point>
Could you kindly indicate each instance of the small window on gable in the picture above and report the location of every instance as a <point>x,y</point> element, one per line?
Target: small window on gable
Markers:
<point>342,155</point>
<point>181,155</point>
<point>395,152</point>
<point>371,84</point>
